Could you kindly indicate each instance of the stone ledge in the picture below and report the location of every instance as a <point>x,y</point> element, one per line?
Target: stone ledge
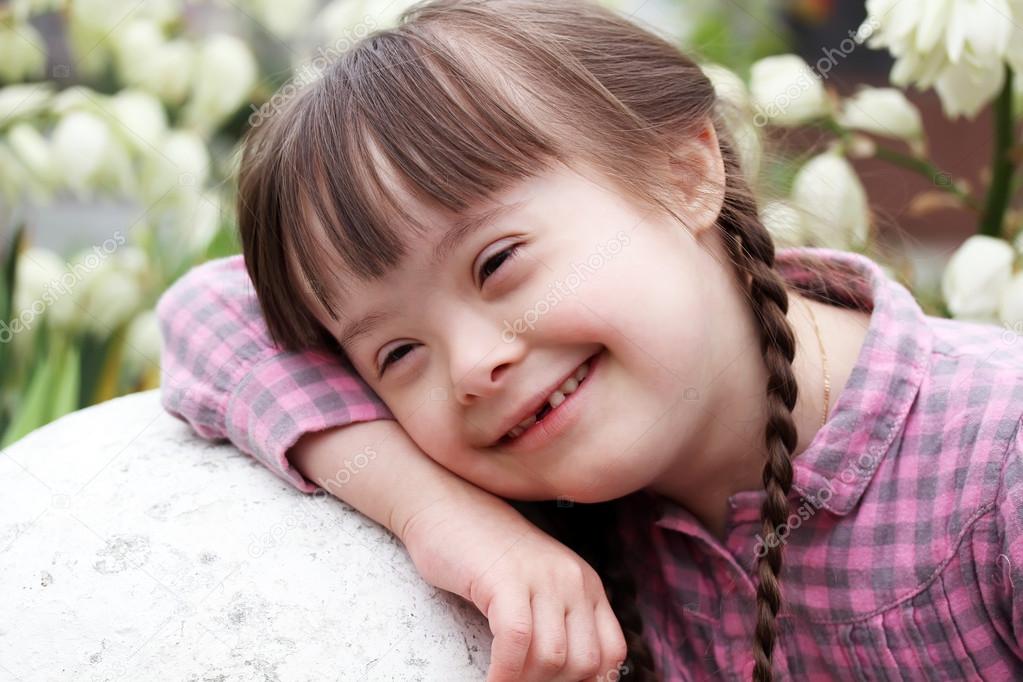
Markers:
<point>130,548</point>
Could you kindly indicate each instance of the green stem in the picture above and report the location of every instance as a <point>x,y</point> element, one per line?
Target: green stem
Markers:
<point>919,165</point>
<point>941,179</point>
<point>1001,165</point>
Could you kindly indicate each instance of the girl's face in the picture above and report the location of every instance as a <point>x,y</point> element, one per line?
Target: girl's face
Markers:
<point>477,330</point>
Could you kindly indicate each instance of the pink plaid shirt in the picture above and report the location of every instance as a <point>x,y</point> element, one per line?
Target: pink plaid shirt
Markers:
<point>903,555</point>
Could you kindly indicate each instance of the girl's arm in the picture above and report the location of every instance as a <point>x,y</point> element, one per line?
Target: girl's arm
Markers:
<point>223,375</point>
<point>310,417</point>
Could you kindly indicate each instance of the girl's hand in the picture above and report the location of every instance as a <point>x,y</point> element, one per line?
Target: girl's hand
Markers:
<point>547,609</point>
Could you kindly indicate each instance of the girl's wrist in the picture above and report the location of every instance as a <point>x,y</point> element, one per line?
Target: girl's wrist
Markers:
<point>375,467</point>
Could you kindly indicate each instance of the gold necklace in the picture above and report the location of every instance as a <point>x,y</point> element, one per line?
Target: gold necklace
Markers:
<point>824,363</point>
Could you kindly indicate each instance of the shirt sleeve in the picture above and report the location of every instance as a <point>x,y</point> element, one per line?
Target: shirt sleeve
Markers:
<point>1007,572</point>
<point>222,374</point>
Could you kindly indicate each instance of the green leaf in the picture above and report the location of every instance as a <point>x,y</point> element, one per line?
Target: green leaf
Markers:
<point>106,382</point>
<point>93,351</point>
<point>34,410</point>
<point>67,380</point>
<point>7,277</point>
<point>225,243</point>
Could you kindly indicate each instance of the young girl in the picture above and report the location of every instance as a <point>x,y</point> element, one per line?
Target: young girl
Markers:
<point>525,227</point>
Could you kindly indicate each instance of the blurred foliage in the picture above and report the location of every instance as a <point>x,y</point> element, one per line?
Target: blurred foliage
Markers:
<point>735,35</point>
<point>132,112</point>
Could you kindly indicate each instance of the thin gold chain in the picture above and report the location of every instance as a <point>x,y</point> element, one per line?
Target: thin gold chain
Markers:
<point>824,364</point>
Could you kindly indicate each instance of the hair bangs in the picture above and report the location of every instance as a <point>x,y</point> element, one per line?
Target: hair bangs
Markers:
<point>393,129</point>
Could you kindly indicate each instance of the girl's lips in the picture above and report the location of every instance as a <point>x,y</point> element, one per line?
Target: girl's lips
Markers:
<point>559,418</point>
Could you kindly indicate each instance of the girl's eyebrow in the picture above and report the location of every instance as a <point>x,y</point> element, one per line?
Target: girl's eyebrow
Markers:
<point>465,226</point>
<point>362,327</point>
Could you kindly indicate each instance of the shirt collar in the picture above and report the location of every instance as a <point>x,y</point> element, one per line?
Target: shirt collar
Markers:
<point>871,410</point>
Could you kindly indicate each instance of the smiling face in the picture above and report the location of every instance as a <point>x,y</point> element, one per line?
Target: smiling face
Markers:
<point>567,279</point>
<point>349,196</point>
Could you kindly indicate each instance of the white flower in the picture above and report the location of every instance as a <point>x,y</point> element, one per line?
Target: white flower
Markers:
<point>1010,307</point>
<point>12,180</point>
<point>136,45</point>
<point>786,91</point>
<point>882,111</point>
<point>224,75</point>
<point>127,32</point>
<point>88,157</point>
<point>23,101</point>
<point>284,19</point>
<point>44,288</point>
<point>23,169</point>
<point>784,222</point>
<point>958,47</point>
<point>143,344</point>
<point>37,284</point>
<point>80,142</point>
<point>111,298</point>
<point>170,71</point>
<point>108,15</point>
<point>749,147</point>
<point>181,164</point>
<point>146,60</point>
<point>33,151</point>
<point>78,98</point>
<point>727,85</point>
<point>105,295</point>
<point>138,118</point>
<point>976,276</point>
<point>833,203</point>
<point>349,20</point>
<point>738,116</point>
<point>134,261</point>
<point>22,52</point>
<point>199,222</point>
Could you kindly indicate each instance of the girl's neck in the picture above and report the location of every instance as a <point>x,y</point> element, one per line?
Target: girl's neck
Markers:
<point>733,460</point>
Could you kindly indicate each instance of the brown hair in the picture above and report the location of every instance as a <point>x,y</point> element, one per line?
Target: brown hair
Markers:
<point>460,101</point>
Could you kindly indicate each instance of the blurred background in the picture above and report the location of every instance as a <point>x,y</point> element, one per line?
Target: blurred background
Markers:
<point>120,120</point>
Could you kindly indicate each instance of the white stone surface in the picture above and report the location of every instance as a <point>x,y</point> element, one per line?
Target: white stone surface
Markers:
<point>131,549</point>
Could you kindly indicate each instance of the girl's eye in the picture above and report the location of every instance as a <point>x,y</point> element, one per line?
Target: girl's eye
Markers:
<point>494,263</point>
<point>395,356</point>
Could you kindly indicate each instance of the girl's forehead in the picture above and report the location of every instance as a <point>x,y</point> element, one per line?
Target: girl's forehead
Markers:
<point>425,236</point>
<point>429,243</point>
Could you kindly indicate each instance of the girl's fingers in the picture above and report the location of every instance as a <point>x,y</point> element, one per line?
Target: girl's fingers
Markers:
<point>549,648</point>
<point>583,646</point>
<point>511,622</point>
<point>613,650</point>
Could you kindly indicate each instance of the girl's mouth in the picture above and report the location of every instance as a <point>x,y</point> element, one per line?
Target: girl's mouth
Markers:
<point>556,403</point>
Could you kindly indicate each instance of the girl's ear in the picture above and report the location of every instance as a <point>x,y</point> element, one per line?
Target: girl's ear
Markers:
<point>699,173</point>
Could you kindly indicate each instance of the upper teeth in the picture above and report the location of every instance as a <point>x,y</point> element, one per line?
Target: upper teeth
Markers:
<point>555,399</point>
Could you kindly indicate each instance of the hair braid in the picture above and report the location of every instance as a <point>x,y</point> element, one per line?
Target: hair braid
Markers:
<point>752,251</point>
<point>590,530</point>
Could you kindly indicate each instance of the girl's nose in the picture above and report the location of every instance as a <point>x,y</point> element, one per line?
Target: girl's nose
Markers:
<point>480,361</point>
